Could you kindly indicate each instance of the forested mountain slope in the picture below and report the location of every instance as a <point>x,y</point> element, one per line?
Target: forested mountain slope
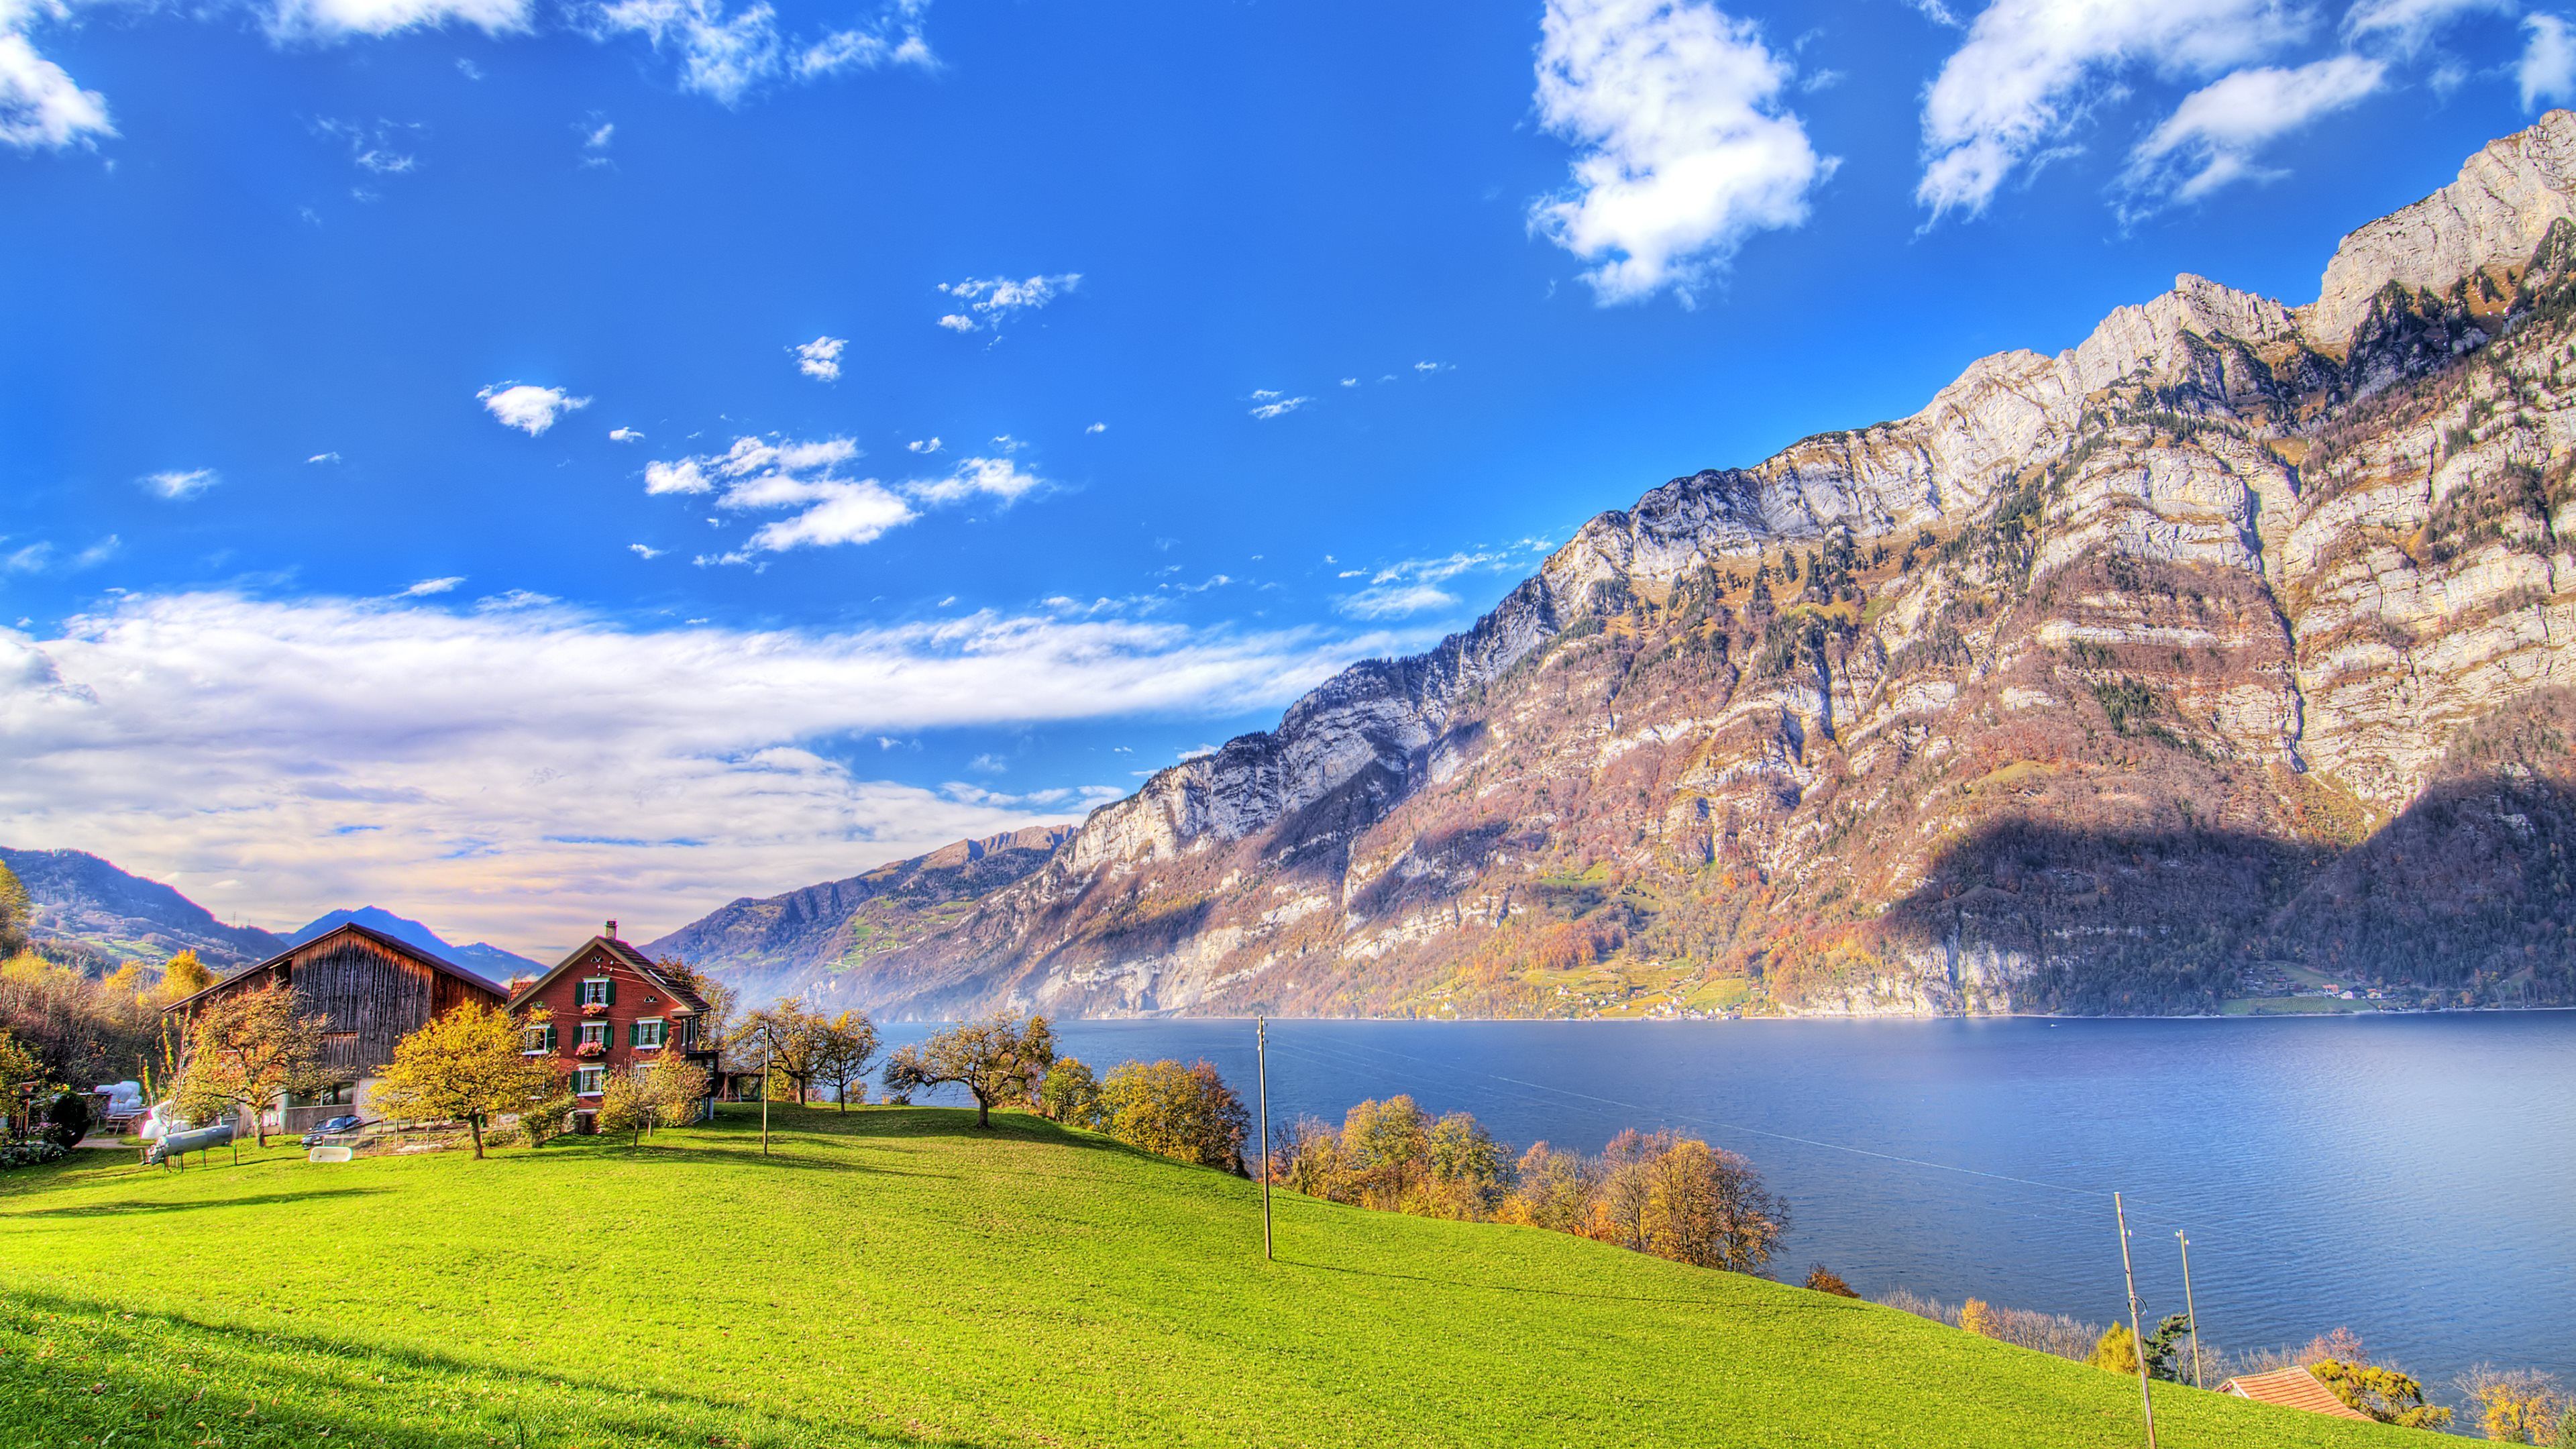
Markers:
<point>88,909</point>
<point>2234,639</point>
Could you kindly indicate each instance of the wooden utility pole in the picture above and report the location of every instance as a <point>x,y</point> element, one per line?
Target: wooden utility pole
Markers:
<point>764,1094</point>
<point>2190,1309</point>
<point>2137,1325</point>
<point>1261,1056</point>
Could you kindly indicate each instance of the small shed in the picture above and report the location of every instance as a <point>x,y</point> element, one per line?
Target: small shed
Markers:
<point>2291,1388</point>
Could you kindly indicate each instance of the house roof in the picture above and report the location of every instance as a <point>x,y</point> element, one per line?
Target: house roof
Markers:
<point>395,944</point>
<point>627,956</point>
<point>2291,1388</point>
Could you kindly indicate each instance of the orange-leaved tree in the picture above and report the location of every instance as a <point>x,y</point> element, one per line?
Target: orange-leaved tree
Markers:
<point>468,1066</point>
<point>248,1048</point>
<point>1002,1062</point>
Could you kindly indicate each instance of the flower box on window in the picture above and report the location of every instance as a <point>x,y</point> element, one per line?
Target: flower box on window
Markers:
<point>594,1008</point>
<point>591,1049</point>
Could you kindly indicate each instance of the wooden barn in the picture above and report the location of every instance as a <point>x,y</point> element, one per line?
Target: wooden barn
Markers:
<point>374,989</point>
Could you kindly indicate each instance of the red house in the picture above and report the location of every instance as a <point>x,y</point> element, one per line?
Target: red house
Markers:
<point>611,1011</point>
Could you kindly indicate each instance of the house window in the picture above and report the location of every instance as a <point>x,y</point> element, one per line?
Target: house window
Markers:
<point>594,1033</point>
<point>590,1081</point>
<point>595,991</point>
<point>647,1035</point>
<point>537,1040</point>
<point>337,1094</point>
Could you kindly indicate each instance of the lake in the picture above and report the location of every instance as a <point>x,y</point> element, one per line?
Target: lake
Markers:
<point>2412,1177</point>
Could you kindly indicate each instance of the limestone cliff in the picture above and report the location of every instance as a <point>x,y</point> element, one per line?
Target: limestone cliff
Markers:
<point>2091,686</point>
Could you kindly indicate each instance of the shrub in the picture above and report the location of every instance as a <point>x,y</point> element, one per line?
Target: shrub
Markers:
<point>68,1119</point>
<point>1188,1113</point>
<point>623,1107</point>
<point>31,1153</point>
<point>1070,1094</point>
<point>1821,1279</point>
<point>2116,1351</point>
<point>2382,1393</point>
<point>1977,1318</point>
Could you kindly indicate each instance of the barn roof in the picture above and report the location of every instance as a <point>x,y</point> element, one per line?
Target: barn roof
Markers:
<point>2292,1388</point>
<point>395,944</point>
<point>628,957</point>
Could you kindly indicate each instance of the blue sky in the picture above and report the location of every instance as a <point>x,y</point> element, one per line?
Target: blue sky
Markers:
<point>412,490</point>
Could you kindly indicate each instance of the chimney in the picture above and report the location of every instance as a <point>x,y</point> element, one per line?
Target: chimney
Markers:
<point>611,932</point>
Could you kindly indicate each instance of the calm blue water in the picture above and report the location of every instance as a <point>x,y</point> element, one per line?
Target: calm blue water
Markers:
<point>2413,1177</point>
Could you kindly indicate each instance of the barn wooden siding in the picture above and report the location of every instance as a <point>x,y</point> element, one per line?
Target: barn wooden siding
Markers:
<point>373,996</point>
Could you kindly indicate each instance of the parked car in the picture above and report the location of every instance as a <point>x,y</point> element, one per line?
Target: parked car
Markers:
<point>332,1128</point>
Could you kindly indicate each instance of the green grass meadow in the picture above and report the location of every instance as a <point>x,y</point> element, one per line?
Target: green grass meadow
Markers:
<point>895,1275</point>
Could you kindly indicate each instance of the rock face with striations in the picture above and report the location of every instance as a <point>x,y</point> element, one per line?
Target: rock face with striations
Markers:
<point>2229,643</point>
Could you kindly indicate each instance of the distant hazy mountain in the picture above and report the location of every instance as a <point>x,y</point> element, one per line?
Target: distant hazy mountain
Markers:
<point>802,943</point>
<point>486,960</point>
<point>85,901</point>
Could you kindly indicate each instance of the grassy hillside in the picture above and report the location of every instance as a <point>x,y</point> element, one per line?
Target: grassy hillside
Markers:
<point>895,1275</point>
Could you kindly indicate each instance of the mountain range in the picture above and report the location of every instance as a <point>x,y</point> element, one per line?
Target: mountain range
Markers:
<point>89,910</point>
<point>2227,647</point>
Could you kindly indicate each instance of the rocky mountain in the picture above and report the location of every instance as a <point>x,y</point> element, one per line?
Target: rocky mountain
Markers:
<point>816,942</point>
<point>87,909</point>
<point>489,961</point>
<point>2228,646</point>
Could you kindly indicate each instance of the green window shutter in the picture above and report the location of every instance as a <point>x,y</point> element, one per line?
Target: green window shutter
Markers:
<point>634,1033</point>
<point>550,1036</point>
<point>609,991</point>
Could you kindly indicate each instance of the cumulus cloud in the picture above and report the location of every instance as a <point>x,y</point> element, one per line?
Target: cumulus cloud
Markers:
<point>820,358</point>
<point>730,55</point>
<point>527,407</point>
<point>624,435</point>
<point>1683,150</point>
<point>987,477</point>
<point>2029,71</point>
<point>2547,71</point>
<point>181,483</point>
<point>2211,138</point>
<point>519,773</point>
<point>646,551</point>
<point>922,445</point>
<point>41,106</point>
<point>992,301</point>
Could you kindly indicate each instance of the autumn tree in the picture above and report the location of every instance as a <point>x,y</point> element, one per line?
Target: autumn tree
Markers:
<point>1001,1062</point>
<point>19,1073</point>
<point>17,909</point>
<point>467,1066</point>
<point>1071,1094</point>
<point>183,976</point>
<point>672,1088</point>
<point>789,1038</point>
<point>716,1029</point>
<point>1553,1190</point>
<point>843,1050</point>
<point>1308,1158</point>
<point>2382,1393</point>
<point>249,1047</point>
<point>2116,1351</point>
<point>1466,1172</point>
<point>1188,1113</point>
<point>1708,1207</point>
<point>1978,1317</point>
<point>2517,1406</point>
<point>624,1107</point>
<point>79,1029</point>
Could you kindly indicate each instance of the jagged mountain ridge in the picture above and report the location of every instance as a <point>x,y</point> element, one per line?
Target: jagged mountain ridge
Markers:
<point>2078,689</point>
<point>88,909</point>
<point>799,944</point>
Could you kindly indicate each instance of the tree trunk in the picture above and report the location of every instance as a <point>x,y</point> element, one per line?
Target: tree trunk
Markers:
<point>983,1109</point>
<point>474,1122</point>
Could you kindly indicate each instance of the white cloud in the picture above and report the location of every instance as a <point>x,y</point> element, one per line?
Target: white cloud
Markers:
<point>323,458</point>
<point>427,587</point>
<point>1279,408</point>
<point>624,435</point>
<point>991,477</point>
<point>1350,382</point>
<point>646,550</point>
<point>527,407</point>
<point>923,446</point>
<point>1412,586</point>
<point>761,474</point>
<point>597,138</point>
<point>41,106</point>
<point>523,772</point>
<point>2212,137</point>
<point>1097,428</point>
<point>2547,71</point>
<point>1435,367</point>
<point>2407,24</point>
<point>820,358</point>
<point>992,301</point>
<point>177,483</point>
<point>373,145</point>
<point>730,55</point>
<point>97,553</point>
<point>338,19</point>
<point>2030,70</point>
<point>1683,148</point>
